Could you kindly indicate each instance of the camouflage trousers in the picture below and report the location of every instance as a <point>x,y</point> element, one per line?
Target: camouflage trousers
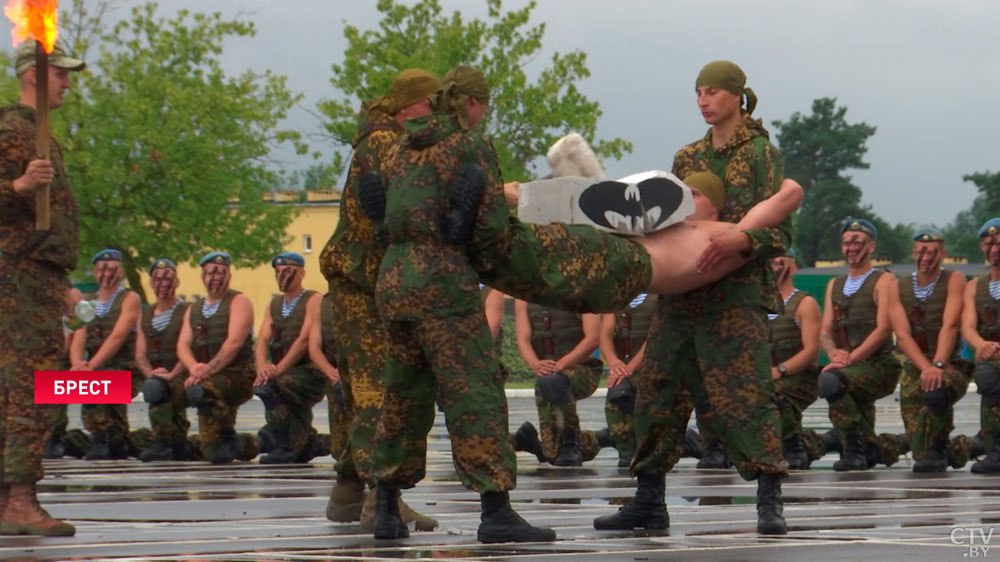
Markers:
<point>553,420</point>
<point>724,354</point>
<point>924,427</point>
<point>111,419</point>
<point>362,345</point>
<point>795,393</point>
<point>451,359</point>
<point>227,389</point>
<point>570,267</point>
<point>169,420</point>
<point>621,425</point>
<point>31,307</point>
<point>990,419</point>
<point>340,424</point>
<point>300,388</point>
<point>864,383</point>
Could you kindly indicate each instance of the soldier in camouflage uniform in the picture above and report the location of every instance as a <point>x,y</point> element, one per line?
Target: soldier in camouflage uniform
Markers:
<point>215,345</point>
<point>926,311</point>
<point>558,346</point>
<point>713,340</point>
<point>63,441</point>
<point>794,354</point>
<point>109,343</point>
<point>350,263</point>
<point>981,330</point>
<point>623,346</point>
<point>427,291</point>
<point>856,335</point>
<point>33,292</point>
<point>287,383</point>
<point>156,359</point>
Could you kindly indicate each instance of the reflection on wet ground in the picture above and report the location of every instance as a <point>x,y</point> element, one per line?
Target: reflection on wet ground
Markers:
<point>126,510</point>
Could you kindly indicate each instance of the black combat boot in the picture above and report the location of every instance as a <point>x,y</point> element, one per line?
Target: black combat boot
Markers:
<point>54,448</point>
<point>526,439</point>
<point>935,458</point>
<point>500,523</point>
<point>318,446</point>
<point>388,523</point>
<point>854,456</point>
<point>569,449</point>
<point>228,449</point>
<point>832,442</point>
<point>692,445</point>
<point>160,450</point>
<point>182,450</point>
<point>647,509</point>
<point>769,508</point>
<point>604,438</point>
<point>795,453</point>
<point>282,452</point>
<point>714,456</point>
<point>990,464</point>
<point>100,447</point>
<point>976,446</point>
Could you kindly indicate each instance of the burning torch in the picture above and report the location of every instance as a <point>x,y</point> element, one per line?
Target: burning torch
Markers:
<point>36,20</point>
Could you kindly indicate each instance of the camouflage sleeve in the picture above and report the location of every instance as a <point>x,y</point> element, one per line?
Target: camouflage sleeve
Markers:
<point>493,208</point>
<point>15,148</point>
<point>769,171</point>
<point>379,146</point>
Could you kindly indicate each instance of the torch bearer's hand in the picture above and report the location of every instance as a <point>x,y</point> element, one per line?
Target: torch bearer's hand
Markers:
<point>38,173</point>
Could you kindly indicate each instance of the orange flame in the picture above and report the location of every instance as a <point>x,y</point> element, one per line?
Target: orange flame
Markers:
<point>34,20</point>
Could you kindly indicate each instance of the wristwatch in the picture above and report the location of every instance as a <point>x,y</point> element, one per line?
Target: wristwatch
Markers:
<point>938,364</point>
<point>782,370</point>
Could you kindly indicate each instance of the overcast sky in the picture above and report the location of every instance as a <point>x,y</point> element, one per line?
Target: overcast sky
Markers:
<point>926,73</point>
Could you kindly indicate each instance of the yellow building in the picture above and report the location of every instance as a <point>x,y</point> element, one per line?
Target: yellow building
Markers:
<point>309,231</point>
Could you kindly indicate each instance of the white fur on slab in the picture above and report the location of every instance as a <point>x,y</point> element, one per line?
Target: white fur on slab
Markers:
<point>572,156</point>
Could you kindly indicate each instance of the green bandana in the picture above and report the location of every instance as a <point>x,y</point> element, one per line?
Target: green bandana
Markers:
<point>411,86</point>
<point>710,185</point>
<point>460,84</point>
<point>729,77</point>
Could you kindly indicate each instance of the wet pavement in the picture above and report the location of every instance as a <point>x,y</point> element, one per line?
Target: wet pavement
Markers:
<point>127,510</point>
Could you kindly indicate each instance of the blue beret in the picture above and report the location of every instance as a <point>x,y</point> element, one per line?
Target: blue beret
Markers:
<point>928,234</point>
<point>162,263</point>
<point>107,254</point>
<point>990,227</point>
<point>859,225</point>
<point>791,253</point>
<point>288,258</point>
<point>220,258</point>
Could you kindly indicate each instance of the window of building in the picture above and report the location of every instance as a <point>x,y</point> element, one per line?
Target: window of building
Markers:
<point>308,241</point>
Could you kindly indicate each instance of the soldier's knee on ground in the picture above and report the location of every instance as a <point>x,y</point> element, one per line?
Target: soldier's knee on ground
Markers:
<point>987,376</point>
<point>155,391</point>
<point>938,400</point>
<point>831,384</point>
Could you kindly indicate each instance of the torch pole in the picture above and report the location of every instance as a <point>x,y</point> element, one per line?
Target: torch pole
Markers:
<point>43,220</point>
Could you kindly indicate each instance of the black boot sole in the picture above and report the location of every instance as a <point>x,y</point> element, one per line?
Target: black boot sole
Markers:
<point>655,523</point>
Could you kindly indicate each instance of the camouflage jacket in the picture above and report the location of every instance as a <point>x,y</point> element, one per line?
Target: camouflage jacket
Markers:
<point>422,275</point>
<point>352,251</point>
<point>752,169</point>
<point>18,237</point>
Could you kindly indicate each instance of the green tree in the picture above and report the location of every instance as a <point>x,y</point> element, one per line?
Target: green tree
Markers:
<point>818,148</point>
<point>961,233</point>
<point>525,117</point>
<point>169,155</point>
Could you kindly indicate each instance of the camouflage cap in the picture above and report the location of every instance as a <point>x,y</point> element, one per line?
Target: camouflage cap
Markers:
<point>859,225</point>
<point>990,227</point>
<point>928,234</point>
<point>709,185</point>
<point>162,263</point>
<point>288,258</point>
<point>24,58</point>
<point>220,258</point>
<point>107,254</point>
